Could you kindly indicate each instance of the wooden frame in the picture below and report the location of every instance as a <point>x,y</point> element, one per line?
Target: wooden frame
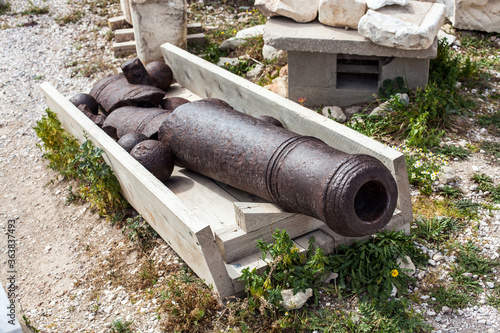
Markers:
<point>197,228</point>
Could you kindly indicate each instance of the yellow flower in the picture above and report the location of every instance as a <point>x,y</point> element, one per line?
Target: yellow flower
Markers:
<point>222,33</point>
<point>394,272</point>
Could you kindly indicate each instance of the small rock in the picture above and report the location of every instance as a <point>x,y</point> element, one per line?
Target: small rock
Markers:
<point>490,285</point>
<point>330,277</point>
<point>469,275</point>
<point>473,187</point>
<point>475,277</point>
<point>431,313</point>
<point>432,262</point>
<point>438,257</point>
<point>279,86</point>
<point>48,248</point>
<point>255,72</point>
<point>445,309</point>
<point>406,263</point>
<point>334,112</point>
<point>270,53</point>
<point>449,175</point>
<point>291,301</point>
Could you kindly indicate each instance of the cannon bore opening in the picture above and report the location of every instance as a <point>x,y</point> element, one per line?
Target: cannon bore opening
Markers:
<point>371,201</point>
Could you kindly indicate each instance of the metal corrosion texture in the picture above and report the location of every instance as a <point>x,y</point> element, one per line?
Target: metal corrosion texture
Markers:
<point>355,195</point>
<point>130,119</point>
<point>136,73</point>
<point>156,157</point>
<point>114,91</point>
<point>161,74</point>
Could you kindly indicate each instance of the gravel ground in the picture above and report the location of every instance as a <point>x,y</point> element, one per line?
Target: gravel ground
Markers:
<point>60,246</point>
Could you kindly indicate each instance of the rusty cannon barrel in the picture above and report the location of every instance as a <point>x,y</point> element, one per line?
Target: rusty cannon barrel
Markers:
<point>355,195</point>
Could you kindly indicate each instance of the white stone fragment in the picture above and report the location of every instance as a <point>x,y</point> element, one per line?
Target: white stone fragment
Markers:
<point>291,301</point>
<point>450,39</point>
<point>482,15</point>
<point>270,53</point>
<point>406,263</point>
<point>334,112</point>
<point>157,22</point>
<point>377,4</point>
<point>341,13</point>
<point>298,10</point>
<point>412,27</point>
<point>241,37</point>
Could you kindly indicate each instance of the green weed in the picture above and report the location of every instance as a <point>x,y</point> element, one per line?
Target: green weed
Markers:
<point>371,266</point>
<point>35,10</point>
<point>423,167</point>
<point>450,192</point>
<point>494,297</point>
<point>4,8</point>
<point>492,148</point>
<point>72,17</point>
<point>240,68</point>
<point>138,230</point>
<point>391,87</point>
<point>287,269</point>
<point>453,151</point>
<point>29,325</point>
<point>486,184</point>
<point>120,326</point>
<point>190,307</point>
<point>491,122</point>
<point>437,229</point>
<point>451,296</point>
<point>97,183</point>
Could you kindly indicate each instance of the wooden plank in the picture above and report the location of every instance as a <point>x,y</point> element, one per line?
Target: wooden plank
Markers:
<point>124,35</point>
<point>240,195</point>
<point>194,28</point>
<point>196,38</point>
<point>180,227</point>
<point>202,195</point>
<point>252,216</point>
<point>117,22</point>
<point>321,240</point>
<point>234,243</point>
<point>208,80</point>
<point>124,48</point>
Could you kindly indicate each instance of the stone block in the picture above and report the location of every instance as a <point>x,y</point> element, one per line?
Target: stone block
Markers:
<point>341,13</point>
<point>157,22</point>
<point>411,27</point>
<point>298,10</point>
<point>482,15</point>
<point>125,5</point>
<point>450,6</point>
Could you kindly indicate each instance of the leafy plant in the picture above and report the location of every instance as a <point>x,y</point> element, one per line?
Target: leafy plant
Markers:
<point>191,307</point>
<point>423,167</point>
<point>451,296</point>
<point>453,151</point>
<point>287,269</point>
<point>4,8</point>
<point>492,148</point>
<point>437,229</point>
<point>450,192</point>
<point>371,266</point>
<point>391,87</point>
<point>97,183</point>
<point>391,315</point>
<point>240,68</point>
<point>29,325</point>
<point>491,121</point>
<point>72,17</point>
<point>486,184</point>
<point>35,10</point>
<point>138,230</point>
<point>119,326</point>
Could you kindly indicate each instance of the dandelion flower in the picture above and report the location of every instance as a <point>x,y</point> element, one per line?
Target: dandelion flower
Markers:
<point>394,273</point>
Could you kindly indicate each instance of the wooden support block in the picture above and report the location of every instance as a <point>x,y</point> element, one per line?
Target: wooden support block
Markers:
<point>194,28</point>
<point>117,22</point>
<point>252,216</point>
<point>196,38</point>
<point>321,239</point>
<point>234,243</point>
<point>124,35</point>
<point>124,48</point>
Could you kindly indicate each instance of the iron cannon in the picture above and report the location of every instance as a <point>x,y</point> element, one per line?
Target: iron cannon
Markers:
<point>355,195</point>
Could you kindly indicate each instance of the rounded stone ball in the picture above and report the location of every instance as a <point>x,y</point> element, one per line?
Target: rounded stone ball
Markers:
<point>85,99</point>
<point>172,103</point>
<point>130,140</point>
<point>161,74</point>
<point>271,120</point>
<point>156,157</point>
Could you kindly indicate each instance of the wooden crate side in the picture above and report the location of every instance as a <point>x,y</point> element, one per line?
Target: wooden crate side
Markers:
<point>208,80</point>
<point>183,230</point>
